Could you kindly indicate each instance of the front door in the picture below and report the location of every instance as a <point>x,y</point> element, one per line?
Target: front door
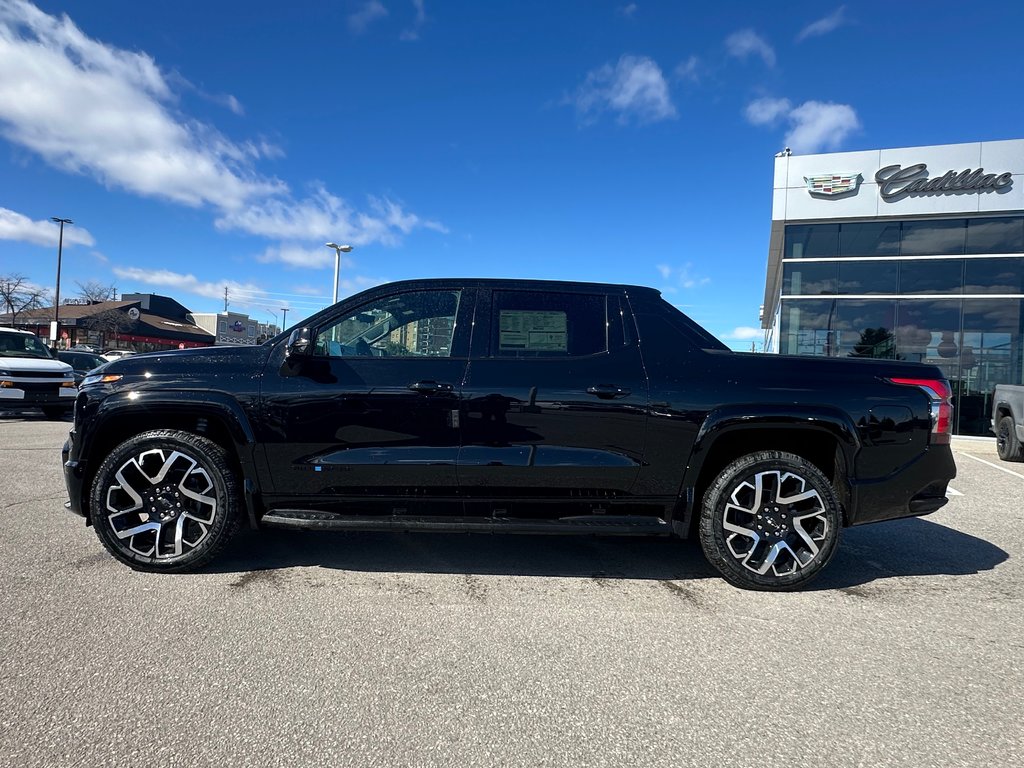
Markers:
<point>554,402</point>
<point>372,413</point>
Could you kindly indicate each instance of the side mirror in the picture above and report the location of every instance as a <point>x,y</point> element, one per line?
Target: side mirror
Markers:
<point>298,343</point>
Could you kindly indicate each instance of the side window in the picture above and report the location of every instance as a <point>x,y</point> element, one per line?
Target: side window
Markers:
<point>416,324</point>
<point>543,324</point>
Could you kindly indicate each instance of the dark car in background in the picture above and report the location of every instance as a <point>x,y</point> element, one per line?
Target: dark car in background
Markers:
<point>81,362</point>
<point>507,406</point>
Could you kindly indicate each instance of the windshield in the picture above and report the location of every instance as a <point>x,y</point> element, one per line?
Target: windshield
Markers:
<point>18,345</point>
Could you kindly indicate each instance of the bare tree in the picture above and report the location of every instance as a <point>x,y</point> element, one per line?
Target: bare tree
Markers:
<point>94,291</point>
<point>107,323</point>
<point>17,294</point>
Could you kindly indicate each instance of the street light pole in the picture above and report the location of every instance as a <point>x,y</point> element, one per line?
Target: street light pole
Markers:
<point>338,250</point>
<point>284,318</point>
<point>55,331</point>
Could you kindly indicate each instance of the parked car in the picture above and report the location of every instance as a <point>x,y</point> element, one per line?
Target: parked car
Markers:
<point>117,354</point>
<point>1008,421</point>
<point>30,377</point>
<point>81,362</point>
<point>86,348</point>
<point>507,405</point>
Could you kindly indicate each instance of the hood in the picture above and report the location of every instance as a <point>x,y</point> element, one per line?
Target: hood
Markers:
<point>200,361</point>
<point>33,365</point>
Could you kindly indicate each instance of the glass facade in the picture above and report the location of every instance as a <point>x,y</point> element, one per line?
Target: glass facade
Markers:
<point>935,291</point>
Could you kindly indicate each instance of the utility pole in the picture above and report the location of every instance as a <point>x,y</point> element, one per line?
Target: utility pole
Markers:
<point>55,328</point>
<point>284,318</point>
<point>225,299</point>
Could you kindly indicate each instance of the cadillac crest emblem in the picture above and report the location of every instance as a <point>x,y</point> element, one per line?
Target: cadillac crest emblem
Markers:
<point>832,184</point>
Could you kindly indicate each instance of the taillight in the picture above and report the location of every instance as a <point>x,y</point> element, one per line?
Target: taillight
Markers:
<point>940,395</point>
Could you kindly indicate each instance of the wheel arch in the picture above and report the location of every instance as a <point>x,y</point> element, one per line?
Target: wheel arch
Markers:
<point>215,416</point>
<point>825,437</point>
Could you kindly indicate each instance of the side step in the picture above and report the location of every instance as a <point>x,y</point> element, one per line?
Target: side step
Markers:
<point>618,525</point>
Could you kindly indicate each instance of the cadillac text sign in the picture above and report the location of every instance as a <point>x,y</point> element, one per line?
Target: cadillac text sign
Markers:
<point>895,181</point>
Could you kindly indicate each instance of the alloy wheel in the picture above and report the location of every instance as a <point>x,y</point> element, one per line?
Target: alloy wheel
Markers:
<point>161,504</point>
<point>775,521</point>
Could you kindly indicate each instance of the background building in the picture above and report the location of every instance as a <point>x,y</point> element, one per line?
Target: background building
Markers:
<point>142,322</point>
<point>913,254</point>
<point>234,327</point>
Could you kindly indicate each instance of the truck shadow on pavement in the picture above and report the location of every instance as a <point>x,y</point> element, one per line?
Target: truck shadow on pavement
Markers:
<point>912,547</point>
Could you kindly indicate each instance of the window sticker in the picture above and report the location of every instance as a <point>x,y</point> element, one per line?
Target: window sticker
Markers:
<point>532,331</point>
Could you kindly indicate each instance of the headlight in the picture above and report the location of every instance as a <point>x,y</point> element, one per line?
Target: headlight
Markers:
<point>101,378</point>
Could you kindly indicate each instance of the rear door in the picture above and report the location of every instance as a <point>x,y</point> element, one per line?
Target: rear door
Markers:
<point>554,402</point>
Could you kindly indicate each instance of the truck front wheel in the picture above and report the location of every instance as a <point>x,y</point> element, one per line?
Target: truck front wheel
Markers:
<point>1007,444</point>
<point>165,501</point>
<point>770,521</point>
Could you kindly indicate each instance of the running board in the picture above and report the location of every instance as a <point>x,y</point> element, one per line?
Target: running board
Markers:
<point>617,525</point>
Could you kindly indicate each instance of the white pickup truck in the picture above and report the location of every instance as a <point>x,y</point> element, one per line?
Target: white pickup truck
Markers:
<point>30,377</point>
<point>1008,421</point>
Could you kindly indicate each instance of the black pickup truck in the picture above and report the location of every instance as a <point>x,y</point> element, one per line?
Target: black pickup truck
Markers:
<point>507,405</point>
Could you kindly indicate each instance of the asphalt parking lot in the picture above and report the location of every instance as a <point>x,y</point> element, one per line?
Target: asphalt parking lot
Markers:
<point>465,650</point>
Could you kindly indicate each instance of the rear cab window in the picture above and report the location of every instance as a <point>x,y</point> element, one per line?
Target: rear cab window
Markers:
<point>547,324</point>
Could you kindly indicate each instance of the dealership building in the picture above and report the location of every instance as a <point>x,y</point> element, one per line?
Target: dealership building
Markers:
<point>911,254</point>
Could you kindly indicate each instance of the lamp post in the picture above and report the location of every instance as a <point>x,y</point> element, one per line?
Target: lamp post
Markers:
<point>284,318</point>
<point>55,328</point>
<point>338,250</point>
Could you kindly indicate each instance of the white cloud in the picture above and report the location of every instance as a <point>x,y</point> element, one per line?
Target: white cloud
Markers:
<point>17,226</point>
<point>360,20</point>
<point>813,126</point>
<point>322,215</point>
<point>744,333</point>
<point>413,32</point>
<point>634,88</point>
<point>819,125</point>
<point>688,70</point>
<point>90,108</point>
<point>629,11</point>
<point>746,42</point>
<point>767,110</point>
<point>87,107</point>
<point>295,255</point>
<point>165,278</point>
<point>681,277</point>
<point>823,26</point>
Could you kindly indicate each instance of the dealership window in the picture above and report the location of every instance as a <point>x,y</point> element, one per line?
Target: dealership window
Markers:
<point>931,276</point>
<point>996,235</point>
<point>806,327</point>
<point>811,278</point>
<point>222,326</point>
<point>415,324</point>
<point>866,328</point>
<point>813,241</point>
<point>867,277</point>
<point>991,352</point>
<point>870,239</point>
<point>994,276</point>
<point>934,238</point>
<point>527,324</point>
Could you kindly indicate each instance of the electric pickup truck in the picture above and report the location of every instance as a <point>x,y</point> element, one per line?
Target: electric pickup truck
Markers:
<point>507,406</point>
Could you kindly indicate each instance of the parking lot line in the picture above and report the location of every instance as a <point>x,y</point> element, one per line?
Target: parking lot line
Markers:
<point>953,492</point>
<point>994,466</point>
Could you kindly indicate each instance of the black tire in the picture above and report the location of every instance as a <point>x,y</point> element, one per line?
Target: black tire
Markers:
<point>54,412</point>
<point>789,543</point>
<point>192,493</point>
<point>1007,444</point>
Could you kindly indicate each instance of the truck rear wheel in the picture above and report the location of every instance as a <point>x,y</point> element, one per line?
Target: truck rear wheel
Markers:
<point>165,501</point>
<point>770,521</point>
<point>1007,444</point>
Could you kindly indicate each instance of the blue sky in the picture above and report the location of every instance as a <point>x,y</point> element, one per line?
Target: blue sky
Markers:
<point>204,144</point>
